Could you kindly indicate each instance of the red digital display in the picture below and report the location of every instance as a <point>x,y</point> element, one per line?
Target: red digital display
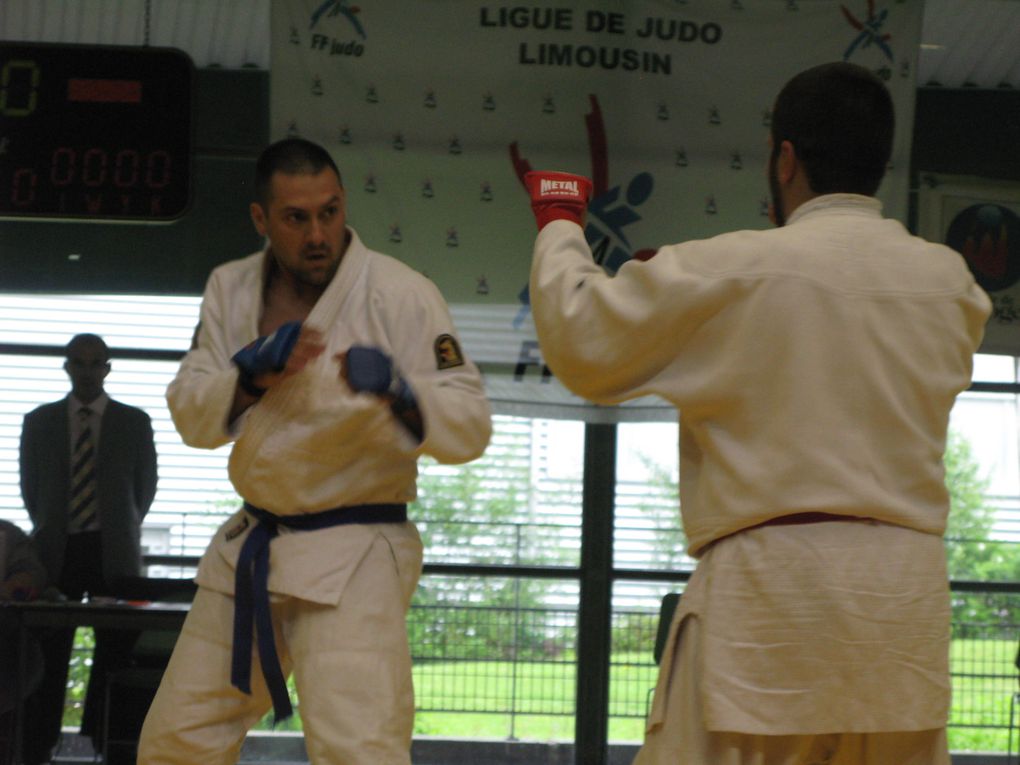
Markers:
<point>105,91</point>
<point>94,133</point>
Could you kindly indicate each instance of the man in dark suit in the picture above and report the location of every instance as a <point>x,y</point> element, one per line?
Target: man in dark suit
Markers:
<point>88,476</point>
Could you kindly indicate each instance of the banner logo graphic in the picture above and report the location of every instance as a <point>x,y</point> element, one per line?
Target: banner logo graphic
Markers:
<point>870,31</point>
<point>988,237</point>
<point>332,8</point>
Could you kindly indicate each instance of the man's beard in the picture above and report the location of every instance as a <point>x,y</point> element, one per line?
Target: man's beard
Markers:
<point>778,214</point>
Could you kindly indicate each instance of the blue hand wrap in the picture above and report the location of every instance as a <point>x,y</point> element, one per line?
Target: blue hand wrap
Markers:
<point>369,370</point>
<point>266,354</point>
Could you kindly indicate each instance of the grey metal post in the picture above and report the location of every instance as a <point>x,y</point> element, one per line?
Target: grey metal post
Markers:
<point>594,613</point>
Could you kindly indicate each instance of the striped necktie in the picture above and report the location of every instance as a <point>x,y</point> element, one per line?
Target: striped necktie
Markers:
<point>84,504</point>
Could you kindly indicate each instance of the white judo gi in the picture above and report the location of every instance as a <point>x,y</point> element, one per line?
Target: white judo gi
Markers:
<point>339,594</point>
<point>814,367</point>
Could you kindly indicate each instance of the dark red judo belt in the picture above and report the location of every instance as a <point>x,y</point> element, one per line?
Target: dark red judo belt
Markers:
<point>251,590</point>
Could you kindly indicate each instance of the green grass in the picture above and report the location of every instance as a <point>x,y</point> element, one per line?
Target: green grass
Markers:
<point>979,740</point>
<point>522,727</point>
<point>532,688</point>
<point>494,726</point>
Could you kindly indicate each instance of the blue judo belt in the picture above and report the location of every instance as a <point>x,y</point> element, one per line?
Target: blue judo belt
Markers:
<point>251,590</point>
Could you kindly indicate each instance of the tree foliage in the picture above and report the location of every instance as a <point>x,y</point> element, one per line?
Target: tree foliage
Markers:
<point>467,516</point>
<point>971,553</point>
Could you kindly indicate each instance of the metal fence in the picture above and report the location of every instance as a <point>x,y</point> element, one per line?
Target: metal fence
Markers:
<point>983,662</point>
<point>493,660</point>
<point>516,662</point>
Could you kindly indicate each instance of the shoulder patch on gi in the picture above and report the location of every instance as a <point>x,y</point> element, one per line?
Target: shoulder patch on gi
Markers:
<point>448,352</point>
<point>237,529</point>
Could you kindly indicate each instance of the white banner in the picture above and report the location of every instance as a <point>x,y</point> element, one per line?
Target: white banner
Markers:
<point>433,109</point>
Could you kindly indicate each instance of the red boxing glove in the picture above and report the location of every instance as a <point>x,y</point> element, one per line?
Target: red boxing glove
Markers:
<point>557,196</point>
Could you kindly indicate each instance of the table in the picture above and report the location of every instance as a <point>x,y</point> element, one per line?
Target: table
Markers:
<point>101,614</point>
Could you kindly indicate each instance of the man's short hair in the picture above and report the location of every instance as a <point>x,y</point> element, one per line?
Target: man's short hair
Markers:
<point>839,118</point>
<point>86,338</point>
<point>291,156</point>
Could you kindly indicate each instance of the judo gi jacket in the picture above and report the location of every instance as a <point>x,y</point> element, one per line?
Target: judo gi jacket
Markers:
<point>310,443</point>
<point>814,367</point>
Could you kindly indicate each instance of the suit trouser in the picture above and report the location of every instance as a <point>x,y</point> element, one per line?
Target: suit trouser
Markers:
<point>351,665</point>
<point>683,740</point>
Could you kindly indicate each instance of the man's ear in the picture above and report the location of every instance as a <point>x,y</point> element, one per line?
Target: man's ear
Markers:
<point>258,217</point>
<point>787,163</point>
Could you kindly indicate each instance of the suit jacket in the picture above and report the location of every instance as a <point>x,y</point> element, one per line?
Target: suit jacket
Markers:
<point>126,484</point>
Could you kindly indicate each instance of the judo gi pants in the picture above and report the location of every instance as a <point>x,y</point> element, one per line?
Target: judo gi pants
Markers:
<point>351,666</point>
<point>683,740</point>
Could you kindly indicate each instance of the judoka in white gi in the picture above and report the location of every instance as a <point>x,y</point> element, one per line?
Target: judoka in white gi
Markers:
<point>331,368</point>
<point>814,366</point>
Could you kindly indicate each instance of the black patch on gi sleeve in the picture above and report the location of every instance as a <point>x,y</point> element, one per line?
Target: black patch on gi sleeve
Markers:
<point>447,352</point>
<point>237,529</point>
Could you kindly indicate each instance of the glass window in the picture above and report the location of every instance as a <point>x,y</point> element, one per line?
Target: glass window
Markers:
<point>193,493</point>
<point>639,626</point>
<point>494,655</point>
<point>983,477</point>
<point>648,534</point>
<point>519,504</point>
